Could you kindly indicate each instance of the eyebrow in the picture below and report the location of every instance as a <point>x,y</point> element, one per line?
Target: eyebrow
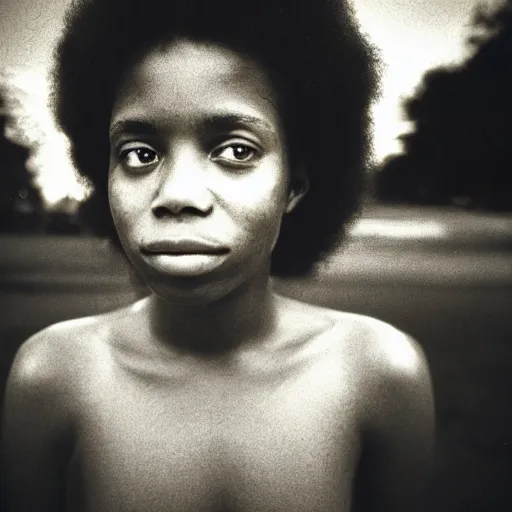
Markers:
<point>133,126</point>
<point>228,121</point>
<point>218,121</point>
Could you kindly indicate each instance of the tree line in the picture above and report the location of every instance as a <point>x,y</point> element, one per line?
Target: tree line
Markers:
<point>460,149</point>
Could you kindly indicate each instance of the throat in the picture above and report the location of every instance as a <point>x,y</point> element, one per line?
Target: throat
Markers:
<point>216,329</point>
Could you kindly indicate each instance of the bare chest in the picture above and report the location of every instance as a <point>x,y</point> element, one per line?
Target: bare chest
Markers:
<point>287,441</point>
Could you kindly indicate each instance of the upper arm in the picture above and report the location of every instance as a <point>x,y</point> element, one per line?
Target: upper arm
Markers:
<point>35,428</point>
<point>399,435</point>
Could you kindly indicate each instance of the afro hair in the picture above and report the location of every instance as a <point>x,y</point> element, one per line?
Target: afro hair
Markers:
<point>322,67</point>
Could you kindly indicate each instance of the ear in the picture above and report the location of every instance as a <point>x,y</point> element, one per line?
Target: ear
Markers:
<point>298,190</point>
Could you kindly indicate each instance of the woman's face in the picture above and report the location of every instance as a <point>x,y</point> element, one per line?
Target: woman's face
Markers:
<point>198,179</point>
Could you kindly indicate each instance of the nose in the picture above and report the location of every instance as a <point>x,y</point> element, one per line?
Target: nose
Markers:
<point>182,185</point>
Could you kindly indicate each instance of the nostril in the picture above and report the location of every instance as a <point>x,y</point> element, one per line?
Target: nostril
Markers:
<point>161,212</point>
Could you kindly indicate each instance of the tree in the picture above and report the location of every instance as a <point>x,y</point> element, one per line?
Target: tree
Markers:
<point>461,145</point>
<point>20,201</point>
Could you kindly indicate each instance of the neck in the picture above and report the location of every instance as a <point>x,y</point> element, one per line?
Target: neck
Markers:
<point>219,328</point>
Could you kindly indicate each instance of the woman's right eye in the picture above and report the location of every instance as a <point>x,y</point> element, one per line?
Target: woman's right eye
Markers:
<point>138,156</point>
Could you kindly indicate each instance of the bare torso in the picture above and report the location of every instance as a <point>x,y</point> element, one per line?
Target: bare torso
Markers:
<point>276,431</point>
<point>326,412</point>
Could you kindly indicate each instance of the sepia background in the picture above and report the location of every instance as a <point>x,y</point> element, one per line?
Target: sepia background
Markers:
<point>431,252</point>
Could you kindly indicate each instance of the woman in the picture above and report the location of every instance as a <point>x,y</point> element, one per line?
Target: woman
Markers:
<point>225,141</point>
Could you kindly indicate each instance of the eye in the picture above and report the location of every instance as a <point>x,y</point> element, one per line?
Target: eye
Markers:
<point>236,153</point>
<point>137,156</point>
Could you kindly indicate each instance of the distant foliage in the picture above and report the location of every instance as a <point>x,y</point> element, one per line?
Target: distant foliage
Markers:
<point>460,151</point>
<point>20,200</point>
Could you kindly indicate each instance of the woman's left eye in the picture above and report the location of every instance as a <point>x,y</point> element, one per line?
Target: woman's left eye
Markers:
<point>237,153</point>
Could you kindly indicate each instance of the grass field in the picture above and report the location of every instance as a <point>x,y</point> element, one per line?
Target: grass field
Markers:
<point>456,301</point>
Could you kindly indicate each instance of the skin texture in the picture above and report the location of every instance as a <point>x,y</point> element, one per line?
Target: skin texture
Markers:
<point>199,188</point>
<point>213,393</point>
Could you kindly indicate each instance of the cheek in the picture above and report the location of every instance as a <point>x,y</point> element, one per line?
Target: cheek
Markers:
<point>266,188</point>
<point>261,204</point>
<point>125,203</point>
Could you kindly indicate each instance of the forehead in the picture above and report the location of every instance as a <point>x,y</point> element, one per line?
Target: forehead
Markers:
<point>187,79</point>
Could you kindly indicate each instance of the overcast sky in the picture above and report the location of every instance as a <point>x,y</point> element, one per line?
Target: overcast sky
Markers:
<point>413,35</point>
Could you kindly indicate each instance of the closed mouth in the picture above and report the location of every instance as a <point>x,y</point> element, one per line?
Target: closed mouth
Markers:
<point>179,247</point>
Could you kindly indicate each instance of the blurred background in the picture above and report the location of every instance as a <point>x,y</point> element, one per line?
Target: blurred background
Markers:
<point>431,252</point>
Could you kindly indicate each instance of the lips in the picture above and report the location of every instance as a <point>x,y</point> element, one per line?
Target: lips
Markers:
<point>179,246</point>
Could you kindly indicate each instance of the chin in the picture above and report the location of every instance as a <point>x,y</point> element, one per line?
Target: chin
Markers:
<point>185,286</point>
<point>193,292</point>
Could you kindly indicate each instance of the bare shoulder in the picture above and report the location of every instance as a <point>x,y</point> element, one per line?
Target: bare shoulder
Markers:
<point>40,399</point>
<point>393,372</point>
<point>42,373</point>
<point>57,357</point>
<point>374,344</point>
<point>386,350</point>
<point>380,357</point>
